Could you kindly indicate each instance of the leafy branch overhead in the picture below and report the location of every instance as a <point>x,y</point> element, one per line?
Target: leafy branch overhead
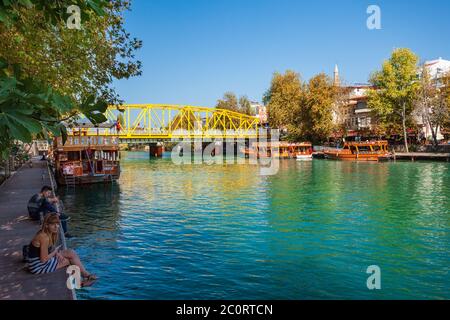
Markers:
<point>51,74</point>
<point>54,11</point>
<point>31,109</point>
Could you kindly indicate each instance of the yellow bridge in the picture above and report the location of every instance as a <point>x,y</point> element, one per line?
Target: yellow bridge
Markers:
<point>163,122</point>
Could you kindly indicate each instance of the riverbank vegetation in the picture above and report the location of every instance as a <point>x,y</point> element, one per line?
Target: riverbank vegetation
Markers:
<point>231,102</point>
<point>303,109</point>
<point>403,97</point>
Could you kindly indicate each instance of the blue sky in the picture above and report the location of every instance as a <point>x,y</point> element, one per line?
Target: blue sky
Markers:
<point>195,50</point>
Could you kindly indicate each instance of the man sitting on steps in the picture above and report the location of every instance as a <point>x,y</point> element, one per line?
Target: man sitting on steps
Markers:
<point>45,203</point>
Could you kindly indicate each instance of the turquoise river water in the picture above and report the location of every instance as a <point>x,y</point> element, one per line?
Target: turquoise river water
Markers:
<point>225,232</point>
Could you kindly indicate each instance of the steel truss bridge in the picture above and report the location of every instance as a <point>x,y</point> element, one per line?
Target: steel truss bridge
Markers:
<point>153,122</point>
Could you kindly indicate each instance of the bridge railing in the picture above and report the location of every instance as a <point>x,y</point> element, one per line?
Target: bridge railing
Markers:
<point>175,122</point>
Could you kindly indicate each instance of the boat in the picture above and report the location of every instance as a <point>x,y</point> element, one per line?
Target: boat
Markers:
<point>280,150</point>
<point>85,158</point>
<point>360,151</point>
<point>304,151</point>
<point>304,157</point>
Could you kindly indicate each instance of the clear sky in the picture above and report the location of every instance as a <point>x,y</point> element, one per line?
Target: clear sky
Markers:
<point>195,50</point>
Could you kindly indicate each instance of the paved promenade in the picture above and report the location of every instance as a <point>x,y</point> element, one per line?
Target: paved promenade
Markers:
<point>17,230</point>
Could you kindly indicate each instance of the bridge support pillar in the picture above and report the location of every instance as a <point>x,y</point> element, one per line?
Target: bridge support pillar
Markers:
<point>247,146</point>
<point>230,150</point>
<point>211,149</point>
<point>156,150</point>
<point>198,147</point>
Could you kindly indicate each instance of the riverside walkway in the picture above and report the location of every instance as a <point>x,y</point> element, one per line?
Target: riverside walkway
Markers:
<point>16,230</point>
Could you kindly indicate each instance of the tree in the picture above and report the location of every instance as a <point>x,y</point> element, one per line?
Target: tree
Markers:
<point>232,103</point>
<point>50,74</point>
<point>29,108</point>
<point>54,11</point>
<point>245,106</point>
<point>430,104</point>
<point>318,108</point>
<point>78,63</point>
<point>446,101</point>
<point>396,90</point>
<point>283,100</point>
<point>305,110</point>
<point>229,102</point>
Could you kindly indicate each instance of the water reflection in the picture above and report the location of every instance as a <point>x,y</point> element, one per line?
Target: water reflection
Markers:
<point>225,232</point>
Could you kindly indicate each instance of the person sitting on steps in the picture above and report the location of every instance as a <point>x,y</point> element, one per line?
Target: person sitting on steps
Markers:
<point>44,257</point>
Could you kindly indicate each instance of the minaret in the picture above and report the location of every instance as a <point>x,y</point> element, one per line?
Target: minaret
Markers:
<point>337,80</point>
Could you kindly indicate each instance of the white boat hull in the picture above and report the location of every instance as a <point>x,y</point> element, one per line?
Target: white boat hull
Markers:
<point>304,157</point>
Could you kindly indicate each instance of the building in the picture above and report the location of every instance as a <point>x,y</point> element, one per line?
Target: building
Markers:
<point>359,117</point>
<point>437,69</point>
<point>259,111</point>
<point>354,114</point>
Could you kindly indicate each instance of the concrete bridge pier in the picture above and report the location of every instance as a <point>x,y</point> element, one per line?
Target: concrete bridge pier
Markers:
<point>247,146</point>
<point>211,149</point>
<point>156,150</point>
<point>230,150</point>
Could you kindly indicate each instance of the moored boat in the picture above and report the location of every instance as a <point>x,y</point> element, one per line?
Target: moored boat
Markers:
<point>304,157</point>
<point>86,158</point>
<point>360,151</point>
<point>281,150</point>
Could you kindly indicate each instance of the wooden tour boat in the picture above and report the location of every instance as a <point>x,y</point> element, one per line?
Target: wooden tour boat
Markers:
<point>360,151</point>
<point>86,159</point>
<point>281,150</point>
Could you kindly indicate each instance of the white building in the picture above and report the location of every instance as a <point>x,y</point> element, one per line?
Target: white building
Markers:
<point>437,68</point>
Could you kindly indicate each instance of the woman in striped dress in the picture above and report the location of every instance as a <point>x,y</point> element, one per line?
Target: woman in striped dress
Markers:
<point>42,259</point>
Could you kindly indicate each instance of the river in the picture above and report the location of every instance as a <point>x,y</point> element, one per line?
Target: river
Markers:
<point>225,232</point>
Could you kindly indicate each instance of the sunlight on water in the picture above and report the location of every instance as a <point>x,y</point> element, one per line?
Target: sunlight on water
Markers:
<point>224,232</point>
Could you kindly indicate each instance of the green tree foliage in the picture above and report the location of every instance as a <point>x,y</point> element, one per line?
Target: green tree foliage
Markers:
<point>228,102</point>
<point>284,99</point>
<point>231,102</point>
<point>78,63</point>
<point>429,104</point>
<point>317,109</point>
<point>446,101</point>
<point>54,11</point>
<point>305,110</point>
<point>30,109</point>
<point>245,106</point>
<point>396,90</point>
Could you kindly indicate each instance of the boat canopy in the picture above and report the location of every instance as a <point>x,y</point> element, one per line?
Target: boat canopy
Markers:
<point>279,144</point>
<point>367,143</point>
<point>89,125</point>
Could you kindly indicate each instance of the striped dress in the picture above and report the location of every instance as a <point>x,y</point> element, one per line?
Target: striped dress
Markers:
<point>36,266</point>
